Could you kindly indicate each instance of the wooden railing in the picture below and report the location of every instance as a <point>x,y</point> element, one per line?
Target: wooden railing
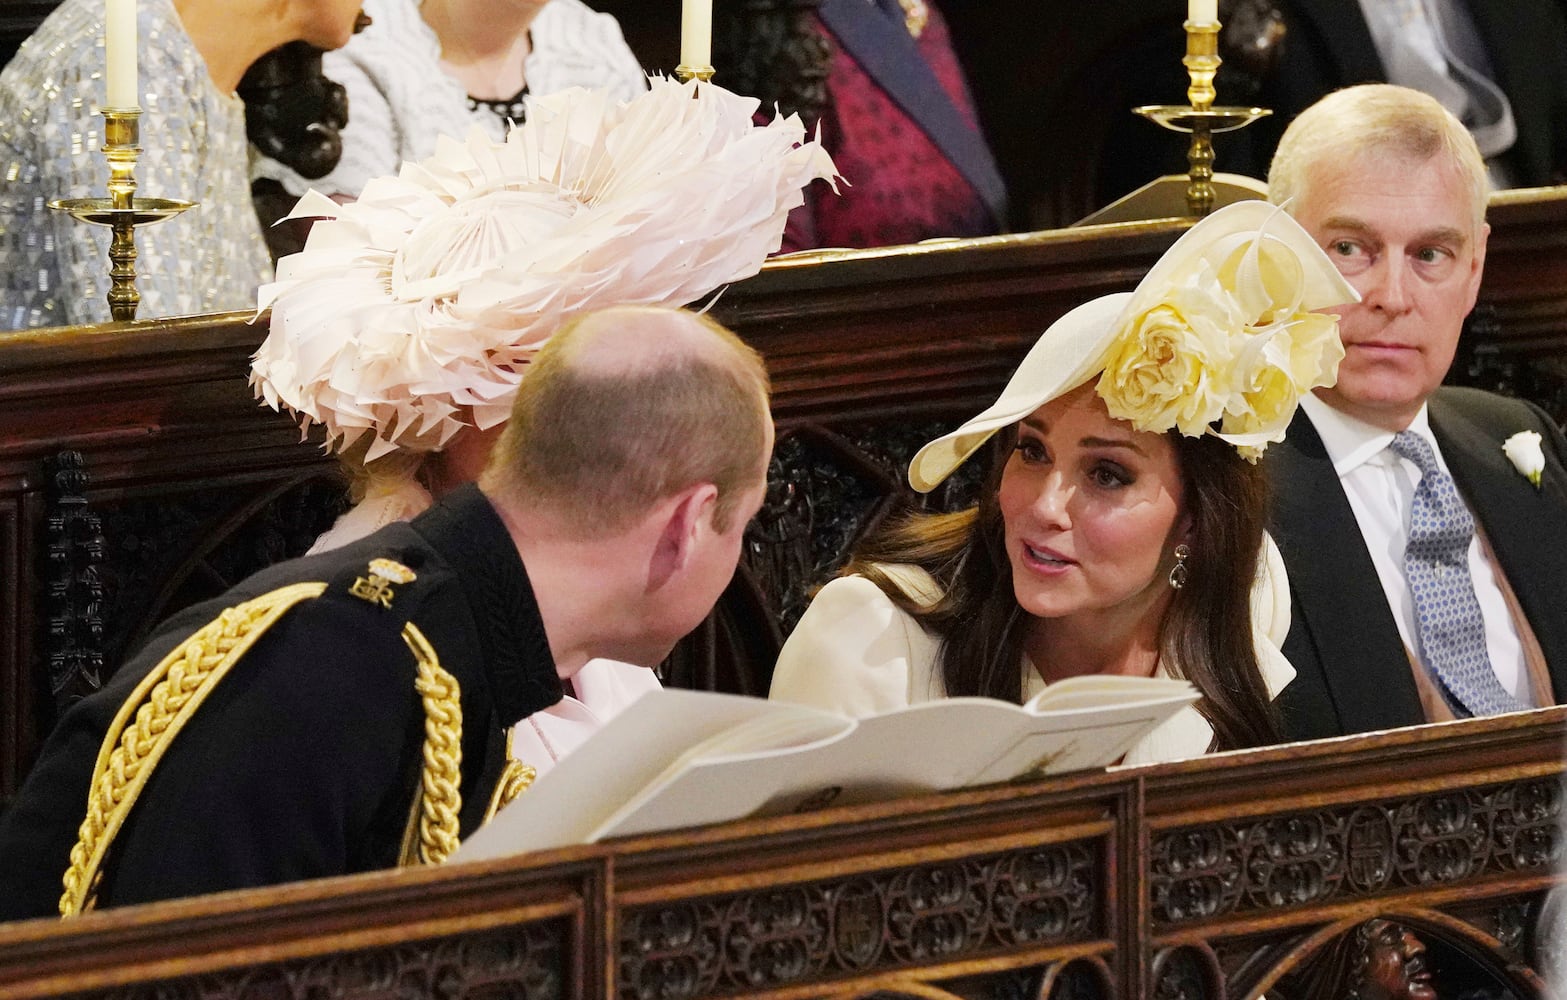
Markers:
<point>1221,877</point>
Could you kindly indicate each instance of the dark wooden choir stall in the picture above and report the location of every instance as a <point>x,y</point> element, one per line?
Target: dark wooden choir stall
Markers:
<point>137,475</point>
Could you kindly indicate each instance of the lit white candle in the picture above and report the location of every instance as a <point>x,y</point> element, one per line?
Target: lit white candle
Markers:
<point>696,33</point>
<point>1202,11</point>
<point>119,46</point>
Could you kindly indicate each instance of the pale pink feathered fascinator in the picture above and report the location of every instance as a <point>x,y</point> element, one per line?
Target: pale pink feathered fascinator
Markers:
<point>413,311</point>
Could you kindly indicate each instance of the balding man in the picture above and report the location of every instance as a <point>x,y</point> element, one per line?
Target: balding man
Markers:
<point>349,711</point>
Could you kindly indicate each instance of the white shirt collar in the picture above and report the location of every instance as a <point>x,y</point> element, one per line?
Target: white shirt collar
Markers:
<point>1350,442</point>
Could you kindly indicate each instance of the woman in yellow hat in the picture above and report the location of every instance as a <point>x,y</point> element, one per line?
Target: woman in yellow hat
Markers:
<point>1121,529</point>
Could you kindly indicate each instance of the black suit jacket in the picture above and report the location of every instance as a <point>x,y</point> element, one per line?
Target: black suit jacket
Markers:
<point>1352,671</point>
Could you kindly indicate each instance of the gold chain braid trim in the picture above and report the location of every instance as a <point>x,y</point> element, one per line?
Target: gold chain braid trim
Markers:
<point>515,779</point>
<point>440,797</point>
<point>151,717</point>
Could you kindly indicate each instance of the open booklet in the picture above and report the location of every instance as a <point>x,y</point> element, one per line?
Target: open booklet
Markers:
<point>686,758</point>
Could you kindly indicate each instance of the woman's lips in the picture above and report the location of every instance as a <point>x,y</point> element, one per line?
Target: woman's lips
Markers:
<point>1044,559</point>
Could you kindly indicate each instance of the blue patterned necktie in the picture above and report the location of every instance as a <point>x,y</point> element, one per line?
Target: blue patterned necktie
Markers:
<point>1436,561</point>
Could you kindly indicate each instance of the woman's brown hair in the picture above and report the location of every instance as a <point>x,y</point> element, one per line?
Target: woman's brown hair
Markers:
<point>1206,634</point>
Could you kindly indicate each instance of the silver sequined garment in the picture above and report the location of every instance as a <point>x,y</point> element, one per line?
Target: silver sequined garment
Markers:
<point>55,270</point>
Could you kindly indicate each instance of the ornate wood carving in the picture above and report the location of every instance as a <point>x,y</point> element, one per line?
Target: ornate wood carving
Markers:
<point>1187,973</point>
<point>877,921</point>
<point>823,492</point>
<point>827,488</point>
<point>529,962</point>
<point>1295,859</point>
<point>1483,364</point>
<point>1084,979</point>
<point>73,583</point>
<point>168,553</point>
<point>1512,922</point>
<point>1016,892</point>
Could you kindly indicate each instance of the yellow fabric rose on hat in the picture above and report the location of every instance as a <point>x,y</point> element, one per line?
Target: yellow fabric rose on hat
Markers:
<point>1285,360</point>
<point>1226,348</point>
<point>1168,367</point>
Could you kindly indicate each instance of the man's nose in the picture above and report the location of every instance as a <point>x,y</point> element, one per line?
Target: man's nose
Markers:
<point>1389,286</point>
<point>1412,944</point>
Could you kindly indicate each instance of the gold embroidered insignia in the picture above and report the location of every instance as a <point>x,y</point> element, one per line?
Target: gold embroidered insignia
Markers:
<point>377,587</point>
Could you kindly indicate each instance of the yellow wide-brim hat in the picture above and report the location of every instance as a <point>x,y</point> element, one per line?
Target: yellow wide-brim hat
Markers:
<point>1251,251</point>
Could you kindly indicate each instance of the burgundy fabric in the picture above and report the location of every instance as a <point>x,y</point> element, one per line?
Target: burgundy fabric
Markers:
<point>901,188</point>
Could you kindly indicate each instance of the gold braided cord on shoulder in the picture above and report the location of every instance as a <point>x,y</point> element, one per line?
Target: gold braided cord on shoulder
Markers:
<point>515,779</point>
<point>152,716</point>
<point>440,796</point>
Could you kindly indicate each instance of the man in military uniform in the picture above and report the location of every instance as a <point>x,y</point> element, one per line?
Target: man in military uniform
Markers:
<point>348,711</point>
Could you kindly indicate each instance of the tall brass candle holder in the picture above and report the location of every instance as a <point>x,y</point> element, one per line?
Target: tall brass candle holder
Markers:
<point>122,211</point>
<point>1199,117</point>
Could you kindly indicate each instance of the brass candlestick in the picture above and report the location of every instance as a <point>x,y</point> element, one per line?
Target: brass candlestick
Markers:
<point>122,211</point>
<point>1199,117</point>
<point>689,73</point>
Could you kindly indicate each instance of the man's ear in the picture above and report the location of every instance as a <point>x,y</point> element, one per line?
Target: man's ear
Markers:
<point>687,520</point>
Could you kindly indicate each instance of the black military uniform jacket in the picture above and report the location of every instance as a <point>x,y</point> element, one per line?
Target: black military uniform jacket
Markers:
<point>304,760</point>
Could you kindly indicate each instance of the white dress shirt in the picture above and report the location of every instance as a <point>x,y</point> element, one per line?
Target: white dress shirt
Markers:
<point>1381,490</point>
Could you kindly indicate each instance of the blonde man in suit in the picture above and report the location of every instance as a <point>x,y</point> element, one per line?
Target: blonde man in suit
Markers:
<point>1424,561</point>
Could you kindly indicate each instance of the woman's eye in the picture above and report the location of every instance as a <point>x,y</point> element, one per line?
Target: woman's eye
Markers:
<point>1110,476</point>
<point>1030,451</point>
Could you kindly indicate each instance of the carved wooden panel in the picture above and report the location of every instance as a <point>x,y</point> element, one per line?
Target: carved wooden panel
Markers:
<point>1296,859</point>
<point>828,486</point>
<point>1189,972</point>
<point>167,552</point>
<point>72,582</point>
<point>1084,979</point>
<point>112,570</point>
<point>1016,892</point>
<point>17,706</point>
<point>529,962</point>
<point>861,923</point>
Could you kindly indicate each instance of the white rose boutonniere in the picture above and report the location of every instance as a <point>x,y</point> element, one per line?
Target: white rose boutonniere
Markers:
<point>1523,450</point>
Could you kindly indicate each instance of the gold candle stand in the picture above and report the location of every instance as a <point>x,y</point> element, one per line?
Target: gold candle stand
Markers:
<point>122,211</point>
<point>689,73</point>
<point>1199,117</point>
